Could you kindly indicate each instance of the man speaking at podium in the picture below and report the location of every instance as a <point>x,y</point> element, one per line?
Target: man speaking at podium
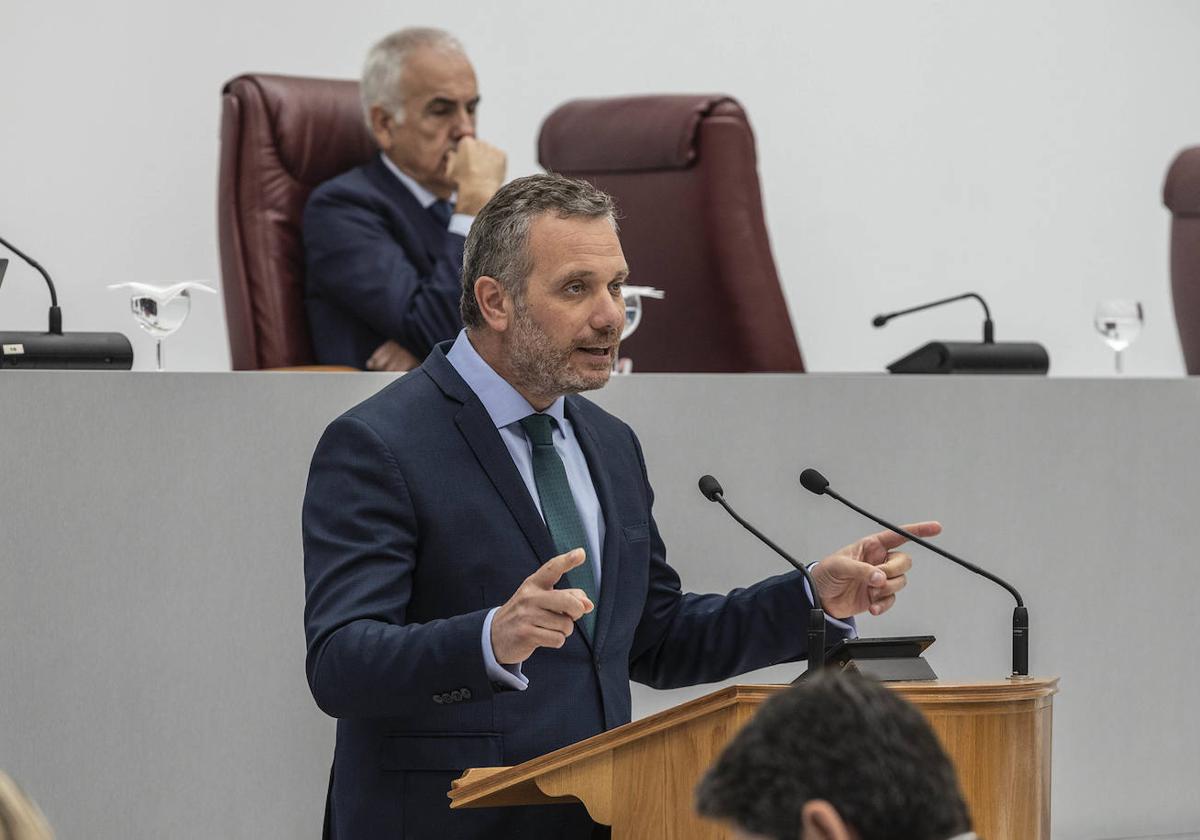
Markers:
<point>483,572</point>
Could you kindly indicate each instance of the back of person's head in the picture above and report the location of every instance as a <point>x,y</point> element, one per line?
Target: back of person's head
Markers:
<point>847,741</point>
<point>20,819</point>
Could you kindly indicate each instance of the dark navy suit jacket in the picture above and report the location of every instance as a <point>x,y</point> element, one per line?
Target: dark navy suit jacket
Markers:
<point>379,267</point>
<point>416,523</point>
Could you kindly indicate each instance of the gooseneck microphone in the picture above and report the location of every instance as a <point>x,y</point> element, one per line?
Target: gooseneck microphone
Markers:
<point>55,312</point>
<point>987,356</point>
<point>711,489</point>
<point>814,482</point>
<point>988,329</point>
<point>55,350</point>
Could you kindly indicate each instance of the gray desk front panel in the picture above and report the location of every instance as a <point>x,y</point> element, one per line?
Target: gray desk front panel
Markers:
<point>151,648</point>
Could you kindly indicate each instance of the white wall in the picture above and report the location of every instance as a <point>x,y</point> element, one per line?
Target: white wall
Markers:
<point>908,150</point>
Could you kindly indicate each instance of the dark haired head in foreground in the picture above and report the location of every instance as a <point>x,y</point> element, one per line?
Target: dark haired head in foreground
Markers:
<point>838,757</point>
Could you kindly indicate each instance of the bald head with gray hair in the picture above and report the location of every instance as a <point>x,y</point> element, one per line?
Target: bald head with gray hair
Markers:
<point>383,71</point>
<point>498,244</point>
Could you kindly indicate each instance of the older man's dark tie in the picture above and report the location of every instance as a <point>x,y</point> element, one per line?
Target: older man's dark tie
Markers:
<point>558,507</point>
<point>442,210</point>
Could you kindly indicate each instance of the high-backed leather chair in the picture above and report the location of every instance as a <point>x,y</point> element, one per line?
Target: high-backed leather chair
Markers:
<point>1181,194</point>
<point>683,171</point>
<point>281,136</point>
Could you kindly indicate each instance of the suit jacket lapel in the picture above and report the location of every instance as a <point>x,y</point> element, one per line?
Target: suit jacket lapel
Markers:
<point>482,436</point>
<point>484,439</point>
<point>610,552</point>
<point>421,220</point>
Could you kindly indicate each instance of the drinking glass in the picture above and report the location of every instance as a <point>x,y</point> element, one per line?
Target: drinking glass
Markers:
<point>1119,322</point>
<point>633,318</point>
<point>160,310</point>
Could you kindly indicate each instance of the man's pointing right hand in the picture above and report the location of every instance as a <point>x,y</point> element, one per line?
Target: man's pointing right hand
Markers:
<point>538,615</point>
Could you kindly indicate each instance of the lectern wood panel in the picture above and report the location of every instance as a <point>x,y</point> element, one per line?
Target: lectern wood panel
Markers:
<point>589,780</point>
<point>640,778</point>
<point>999,737</point>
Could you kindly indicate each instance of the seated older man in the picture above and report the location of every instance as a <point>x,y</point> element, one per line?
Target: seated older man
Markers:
<point>839,757</point>
<point>384,242</point>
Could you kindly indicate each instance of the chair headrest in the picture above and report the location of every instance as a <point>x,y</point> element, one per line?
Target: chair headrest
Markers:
<point>1181,190</point>
<point>316,124</point>
<point>628,134</point>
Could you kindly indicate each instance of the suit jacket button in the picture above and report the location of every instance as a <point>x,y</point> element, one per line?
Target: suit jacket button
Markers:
<point>466,694</point>
<point>456,695</point>
<point>446,698</point>
<point>437,698</point>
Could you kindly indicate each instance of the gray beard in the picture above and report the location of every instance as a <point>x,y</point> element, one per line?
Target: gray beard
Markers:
<point>540,367</point>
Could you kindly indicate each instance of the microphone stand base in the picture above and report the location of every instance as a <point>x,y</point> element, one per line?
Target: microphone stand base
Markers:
<point>66,351</point>
<point>894,659</point>
<point>975,357</point>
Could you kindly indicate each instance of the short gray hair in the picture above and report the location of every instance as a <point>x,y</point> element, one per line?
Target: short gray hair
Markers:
<point>383,71</point>
<point>498,244</point>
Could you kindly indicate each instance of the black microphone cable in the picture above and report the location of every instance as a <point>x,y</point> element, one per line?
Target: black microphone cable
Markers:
<point>55,312</point>
<point>814,482</point>
<point>711,489</point>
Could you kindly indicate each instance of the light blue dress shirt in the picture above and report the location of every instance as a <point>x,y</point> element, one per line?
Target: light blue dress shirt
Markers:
<point>460,223</point>
<point>506,407</point>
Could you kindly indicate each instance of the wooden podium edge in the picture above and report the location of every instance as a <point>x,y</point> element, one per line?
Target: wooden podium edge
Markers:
<point>473,786</point>
<point>1014,689</point>
<point>517,785</point>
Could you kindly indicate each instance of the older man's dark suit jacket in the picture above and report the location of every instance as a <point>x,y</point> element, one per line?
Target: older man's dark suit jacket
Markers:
<point>416,522</point>
<point>379,266</point>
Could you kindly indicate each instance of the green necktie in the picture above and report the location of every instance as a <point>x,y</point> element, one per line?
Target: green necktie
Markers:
<point>558,507</point>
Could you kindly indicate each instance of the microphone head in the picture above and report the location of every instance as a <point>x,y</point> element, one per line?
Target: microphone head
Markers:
<point>879,320</point>
<point>814,482</point>
<point>710,487</point>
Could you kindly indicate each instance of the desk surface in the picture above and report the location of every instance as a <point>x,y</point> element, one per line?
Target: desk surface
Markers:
<point>151,588</point>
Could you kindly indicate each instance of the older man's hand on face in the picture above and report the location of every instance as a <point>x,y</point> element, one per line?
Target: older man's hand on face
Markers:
<point>478,169</point>
<point>866,575</point>
<point>390,356</point>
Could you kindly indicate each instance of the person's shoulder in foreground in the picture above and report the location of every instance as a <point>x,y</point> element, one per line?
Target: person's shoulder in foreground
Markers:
<point>837,757</point>
<point>20,817</point>
<point>383,242</point>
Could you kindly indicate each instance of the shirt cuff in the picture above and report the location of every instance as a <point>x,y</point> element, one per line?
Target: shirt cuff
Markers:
<point>460,223</point>
<point>509,676</point>
<point>848,626</point>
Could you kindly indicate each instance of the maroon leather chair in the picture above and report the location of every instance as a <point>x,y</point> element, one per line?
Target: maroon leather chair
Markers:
<point>281,136</point>
<point>1181,194</point>
<point>683,171</point>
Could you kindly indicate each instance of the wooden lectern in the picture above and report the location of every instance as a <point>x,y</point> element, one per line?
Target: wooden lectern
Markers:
<point>639,778</point>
